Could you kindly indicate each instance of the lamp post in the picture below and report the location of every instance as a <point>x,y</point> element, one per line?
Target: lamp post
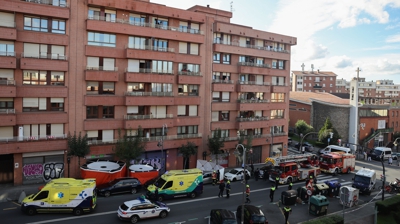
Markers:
<point>68,161</point>
<point>301,140</point>
<point>383,178</point>
<point>244,178</point>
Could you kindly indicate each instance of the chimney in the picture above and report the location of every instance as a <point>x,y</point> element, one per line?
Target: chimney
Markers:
<point>302,67</point>
<point>312,68</point>
<point>318,71</point>
<point>208,6</point>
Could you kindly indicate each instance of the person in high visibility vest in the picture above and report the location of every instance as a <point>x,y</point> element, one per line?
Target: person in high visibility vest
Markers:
<point>271,193</point>
<point>276,182</point>
<point>214,178</point>
<point>247,194</point>
<point>228,188</point>
<point>290,185</point>
<point>286,211</point>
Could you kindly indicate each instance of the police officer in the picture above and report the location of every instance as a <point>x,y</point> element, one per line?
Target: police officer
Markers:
<point>276,182</point>
<point>290,185</point>
<point>286,211</point>
<point>214,178</point>
<point>221,189</point>
<point>271,193</point>
<point>248,194</point>
<point>228,188</point>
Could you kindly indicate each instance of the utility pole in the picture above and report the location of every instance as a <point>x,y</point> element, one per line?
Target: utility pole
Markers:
<point>244,180</point>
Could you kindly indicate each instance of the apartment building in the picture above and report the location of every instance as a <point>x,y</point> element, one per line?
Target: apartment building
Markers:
<point>313,81</point>
<point>374,89</point>
<point>99,66</point>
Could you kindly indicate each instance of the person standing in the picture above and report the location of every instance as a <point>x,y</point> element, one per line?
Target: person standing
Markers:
<point>390,160</point>
<point>271,193</point>
<point>290,185</point>
<point>252,168</point>
<point>221,189</point>
<point>276,182</point>
<point>214,178</point>
<point>247,177</point>
<point>248,194</point>
<point>287,211</point>
<point>256,174</point>
<point>156,194</point>
<point>228,188</point>
<point>204,155</point>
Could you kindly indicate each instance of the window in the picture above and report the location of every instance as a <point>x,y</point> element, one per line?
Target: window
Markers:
<point>162,67</point>
<point>188,90</point>
<point>276,114</point>
<point>110,15</point>
<point>188,68</point>
<point>277,97</point>
<point>34,104</point>
<point>132,87</point>
<point>216,96</point>
<point>44,51</point>
<point>42,195</point>
<point>36,24</point>
<point>94,13</point>
<point>278,81</point>
<point>216,58</point>
<point>57,104</point>
<point>224,116</point>
<point>101,39</point>
<point>160,45</point>
<point>281,65</point>
<point>161,87</point>
<point>224,133</point>
<point>274,63</point>
<point>160,23</point>
<point>137,20</point>
<point>7,48</point>
<point>226,58</point>
<point>92,112</point>
<point>94,88</point>
<point>188,48</point>
<point>108,111</point>
<point>103,64</point>
<point>184,130</point>
<point>225,96</point>
<point>58,26</point>
<point>257,131</point>
<point>34,78</point>
<point>6,103</point>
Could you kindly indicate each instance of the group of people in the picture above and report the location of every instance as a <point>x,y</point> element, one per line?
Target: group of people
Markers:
<point>226,187</point>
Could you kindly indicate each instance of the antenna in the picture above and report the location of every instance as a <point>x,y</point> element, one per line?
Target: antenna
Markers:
<point>232,6</point>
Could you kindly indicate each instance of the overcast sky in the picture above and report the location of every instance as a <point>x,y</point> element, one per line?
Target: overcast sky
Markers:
<point>333,35</point>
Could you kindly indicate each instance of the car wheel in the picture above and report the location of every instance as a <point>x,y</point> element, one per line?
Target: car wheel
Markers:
<point>234,179</point>
<point>133,191</point>
<point>348,170</point>
<point>134,219</point>
<point>289,180</point>
<point>192,195</point>
<point>31,211</point>
<point>107,194</point>
<point>336,172</point>
<point>163,214</point>
<point>160,198</point>
<point>77,211</point>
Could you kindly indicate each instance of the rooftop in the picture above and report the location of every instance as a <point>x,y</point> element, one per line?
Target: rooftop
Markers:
<point>309,97</point>
<point>314,73</point>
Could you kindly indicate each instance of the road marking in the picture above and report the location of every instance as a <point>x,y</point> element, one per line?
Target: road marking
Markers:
<point>5,209</point>
<point>192,219</point>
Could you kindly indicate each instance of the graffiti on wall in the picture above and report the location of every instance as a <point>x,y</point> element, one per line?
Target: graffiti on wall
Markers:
<point>46,171</point>
<point>154,162</point>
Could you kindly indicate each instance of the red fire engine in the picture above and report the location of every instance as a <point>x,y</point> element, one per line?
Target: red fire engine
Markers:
<point>337,162</point>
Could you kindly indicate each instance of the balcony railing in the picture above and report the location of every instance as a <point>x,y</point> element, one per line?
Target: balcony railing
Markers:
<point>102,68</point>
<point>317,87</point>
<point>7,82</point>
<point>150,139</point>
<point>7,53</point>
<point>251,64</point>
<point>254,136</point>
<point>280,84</point>
<point>222,81</point>
<point>151,48</point>
<point>33,138</point>
<point>253,83</point>
<point>237,44</point>
<point>44,56</point>
<point>58,3</point>
<point>149,94</point>
<point>242,119</point>
<point>151,71</point>
<point>252,101</point>
<point>151,25</point>
<point>7,111</point>
<point>144,117</point>
<point>280,134</point>
<point>277,117</point>
<point>188,93</point>
<point>189,73</point>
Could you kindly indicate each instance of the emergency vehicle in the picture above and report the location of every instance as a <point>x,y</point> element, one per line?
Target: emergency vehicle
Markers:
<point>289,170</point>
<point>337,162</point>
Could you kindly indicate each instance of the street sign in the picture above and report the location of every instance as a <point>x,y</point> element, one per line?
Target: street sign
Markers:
<point>309,192</point>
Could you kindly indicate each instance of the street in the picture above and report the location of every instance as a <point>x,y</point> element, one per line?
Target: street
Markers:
<point>185,210</point>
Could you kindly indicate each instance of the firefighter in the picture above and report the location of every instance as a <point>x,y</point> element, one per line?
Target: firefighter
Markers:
<point>271,193</point>
<point>248,194</point>
<point>228,188</point>
<point>286,211</point>
<point>214,178</point>
<point>276,182</point>
<point>290,185</point>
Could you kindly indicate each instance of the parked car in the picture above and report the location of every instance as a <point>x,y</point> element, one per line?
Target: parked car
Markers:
<point>141,208</point>
<point>118,186</point>
<point>396,155</point>
<point>236,174</point>
<point>222,216</point>
<point>265,169</point>
<point>207,177</point>
<point>307,146</point>
<point>252,215</point>
<point>290,141</point>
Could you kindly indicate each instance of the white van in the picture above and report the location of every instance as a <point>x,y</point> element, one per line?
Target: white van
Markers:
<point>379,151</point>
<point>334,148</point>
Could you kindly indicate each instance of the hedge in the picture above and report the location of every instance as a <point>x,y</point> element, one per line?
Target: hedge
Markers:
<point>388,205</point>
<point>333,219</point>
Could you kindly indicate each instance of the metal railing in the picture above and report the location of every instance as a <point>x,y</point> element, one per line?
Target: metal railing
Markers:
<point>151,71</point>
<point>102,68</point>
<point>252,101</point>
<point>237,44</point>
<point>252,64</point>
<point>144,117</point>
<point>7,111</point>
<point>151,48</point>
<point>227,139</point>
<point>188,93</point>
<point>150,139</point>
<point>279,84</point>
<point>151,25</point>
<point>189,73</point>
<point>7,53</point>
<point>149,94</point>
<point>33,138</point>
<point>44,56</point>
<point>222,81</point>
<point>253,83</point>
<point>48,2</point>
<point>241,119</point>
<point>7,82</point>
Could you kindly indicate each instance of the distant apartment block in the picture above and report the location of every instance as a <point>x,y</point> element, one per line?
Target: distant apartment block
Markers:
<point>313,81</point>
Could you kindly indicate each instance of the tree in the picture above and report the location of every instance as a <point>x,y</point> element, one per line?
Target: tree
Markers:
<point>216,143</point>
<point>187,150</point>
<point>130,147</point>
<point>78,146</point>
<point>324,133</point>
<point>247,145</point>
<point>303,128</point>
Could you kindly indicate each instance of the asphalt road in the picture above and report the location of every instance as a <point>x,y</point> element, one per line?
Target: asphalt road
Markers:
<point>193,211</point>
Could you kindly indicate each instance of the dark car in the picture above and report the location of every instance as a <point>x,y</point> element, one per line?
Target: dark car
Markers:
<point>222,216</point>
<point>265,170</point>
<point>307,146</point>
<point>289,141</point>
<point>252,215</point>
<point>118,186</point>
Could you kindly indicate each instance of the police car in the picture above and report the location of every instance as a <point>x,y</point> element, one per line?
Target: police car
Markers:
<point>142,208</point>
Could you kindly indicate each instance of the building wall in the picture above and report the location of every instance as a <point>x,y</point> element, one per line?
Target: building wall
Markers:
<point>299,111</point>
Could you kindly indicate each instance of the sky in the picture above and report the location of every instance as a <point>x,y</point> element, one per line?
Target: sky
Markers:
<point>334,35</point>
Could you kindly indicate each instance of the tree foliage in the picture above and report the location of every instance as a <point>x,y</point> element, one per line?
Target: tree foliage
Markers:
<point>324,133</point>
<point>216,143</point>
<point>187,150</point>
<point>78,146</point>
<point>248,145</point>
<point>303,128</point>
<point>130,147</point>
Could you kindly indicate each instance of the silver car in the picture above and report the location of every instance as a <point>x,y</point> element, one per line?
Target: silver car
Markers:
<point>207,177</point>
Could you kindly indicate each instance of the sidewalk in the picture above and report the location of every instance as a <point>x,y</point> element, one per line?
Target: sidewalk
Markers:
<point>9,192</point>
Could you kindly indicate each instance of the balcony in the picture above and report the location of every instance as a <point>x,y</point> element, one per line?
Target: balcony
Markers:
<point>8,88</point>
<point>99,74</point>
<point>42,91</point>
<point>251,122</point>
<point>147,121</point>
<point>149,98</point>
<point>100,124</point>
<point>253,68</point>
<point>104,99</point>
<point>317,87</point>
<point>151,53</point>
<point>268,48</point>
<point>58,3</point>
<point>223,85</point>
<point>56,9</point>
<point>256,51</point>
<point>280,88</point>
<point>145,75</point>
<point>45,117</point>
<point>8,33</point>
<point>190,78</point>
<point>253,86</point>
<point>8,117</point>
<point>256,104</point>
<point>53,62</point>
<point>8,60</point>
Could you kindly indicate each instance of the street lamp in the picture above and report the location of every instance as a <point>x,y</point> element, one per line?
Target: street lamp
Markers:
<point>302,138</point>
<point>68,161</point>
<point>383,178</point>
<point>161,144</point>
<point>244,180</point>
<point>272,141</point>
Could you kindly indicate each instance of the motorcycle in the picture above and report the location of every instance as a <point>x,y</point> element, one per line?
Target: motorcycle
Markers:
<point>393,187</point>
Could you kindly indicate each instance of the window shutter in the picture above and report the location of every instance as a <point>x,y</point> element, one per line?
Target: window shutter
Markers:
<point>108,135</point>
<point>225,95</point>
<point>215,94</point>
<point>35,130</point>
<point>132,109</point>
<point>214,115</point>
<point>259,79</point>
<point>195,26</point>
<point>108,85</point>
<point>30,102</point>
<point>27,130</point>
<point>57,100</point>
<point>7,73</point>
<point>182,47</point>
<point>108,64</point>
<point>92,134</point>
<point>182,23</point>
<point>31,50</point>
<point>193,110</point>
<point>42,130</point>
<point>181,110</point>
<point>259,113</point>
<point>6,132</point>
<point>57,52</point>
<point>7,19</point>
<point>92,63</point>
<point>57,129</point>
<point>133,65</point>
<point>194,49</point>
<point>161,111</point>
<point>42,103</point>
<point>242,41</point>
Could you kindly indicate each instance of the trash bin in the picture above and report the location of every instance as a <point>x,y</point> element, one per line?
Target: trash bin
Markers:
<point>322,189</point>
<point>302,193</point>
<point>349,196</point>
<point>318,205</point>
<point>289,197</point>
<point>334,187</point>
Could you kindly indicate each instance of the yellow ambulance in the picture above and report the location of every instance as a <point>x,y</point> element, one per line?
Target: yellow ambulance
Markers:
<point>177,183</point>
<point>63,195</point>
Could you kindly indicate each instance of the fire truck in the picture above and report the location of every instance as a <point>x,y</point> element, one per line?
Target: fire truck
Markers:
<point>289,168</point>
<point>337,162</point>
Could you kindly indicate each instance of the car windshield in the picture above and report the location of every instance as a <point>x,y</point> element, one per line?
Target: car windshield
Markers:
<point>233,171</point>
<point>124,207</point>
<point>377,152</point>
<point>361,179</point>
<point>112,182</point>
<point>258,219</point>
<point>159,182</point>
<point>326,160</point>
